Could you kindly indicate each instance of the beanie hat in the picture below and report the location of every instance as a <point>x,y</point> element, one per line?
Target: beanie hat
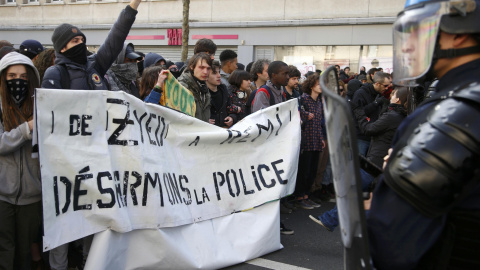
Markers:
<point>63,34</point>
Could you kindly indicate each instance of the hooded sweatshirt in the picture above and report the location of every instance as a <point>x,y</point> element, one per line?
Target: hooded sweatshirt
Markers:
<point>123,76</point>
<point>20,182</point>
<point>151,59</point>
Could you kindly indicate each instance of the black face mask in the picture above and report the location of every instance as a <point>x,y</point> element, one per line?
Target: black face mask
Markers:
<point>77,54</point>
<point>18,89</point>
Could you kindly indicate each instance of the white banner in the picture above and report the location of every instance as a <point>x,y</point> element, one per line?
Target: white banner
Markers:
<point>110,161</point>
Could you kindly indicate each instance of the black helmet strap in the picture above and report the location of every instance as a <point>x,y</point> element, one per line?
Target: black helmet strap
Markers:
<point>452,53</point>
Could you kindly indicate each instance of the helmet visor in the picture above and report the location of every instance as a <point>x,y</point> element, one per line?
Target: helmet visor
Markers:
<point>414,37</point>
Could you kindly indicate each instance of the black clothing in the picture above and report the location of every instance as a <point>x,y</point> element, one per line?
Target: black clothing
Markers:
<point>440,167</point>
<point>364,96</point>
<point>382,131</point>
<point>91,75</point>
<point>219,102</point>
<point>295,94</point>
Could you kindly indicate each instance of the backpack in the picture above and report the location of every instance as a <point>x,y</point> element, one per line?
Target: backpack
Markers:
<point>64,76</point>
<point>251,98</point>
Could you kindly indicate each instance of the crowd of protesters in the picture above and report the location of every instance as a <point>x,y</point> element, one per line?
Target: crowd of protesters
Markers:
<point>224,94</point>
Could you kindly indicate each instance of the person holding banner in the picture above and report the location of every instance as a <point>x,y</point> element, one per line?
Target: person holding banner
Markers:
<point>74,70</point>
<point>219,115</point>
<point>20,183</point>
<point>148,81</point>
<point>194,79</point>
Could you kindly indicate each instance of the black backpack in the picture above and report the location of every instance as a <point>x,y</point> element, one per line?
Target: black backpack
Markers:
<point>64,76</point>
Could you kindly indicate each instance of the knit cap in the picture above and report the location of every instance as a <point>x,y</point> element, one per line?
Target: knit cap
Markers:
<point>63,34</point>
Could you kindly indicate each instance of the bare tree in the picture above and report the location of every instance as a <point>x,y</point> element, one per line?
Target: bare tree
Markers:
<point>185,29</point>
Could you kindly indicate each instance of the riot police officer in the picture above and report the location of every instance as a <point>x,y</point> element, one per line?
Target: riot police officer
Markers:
<point>425,211</point>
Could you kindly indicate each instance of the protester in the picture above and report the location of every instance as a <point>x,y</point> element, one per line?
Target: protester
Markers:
<point>259,73</point>
<point>239,92</point>
<point>425,209</point>
<point>20,188</point>
<point>382,132</point>
<point>221,100</point>
<point>31,48</point>
<point>271,93</point>
<point>5,43</point>
<point>4,50</point>
<point>194,79</point>
<point>86,73</point>
<point>291,89</point>
<point>149,81</point>
<point>153,59</point>
<point>228,61</point>
<point>156,91</point>
<point>249,67</point>
<point>74,70</point>
<point>207,46</point>
<point>366,96</point>
<point>312,141</point>
<point>122,75</point>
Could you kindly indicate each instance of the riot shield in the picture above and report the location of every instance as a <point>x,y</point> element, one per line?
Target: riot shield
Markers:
<point>342,143</point>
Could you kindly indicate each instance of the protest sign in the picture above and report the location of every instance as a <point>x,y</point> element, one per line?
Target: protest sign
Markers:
<point>111,161</point>
<point>177,97</point>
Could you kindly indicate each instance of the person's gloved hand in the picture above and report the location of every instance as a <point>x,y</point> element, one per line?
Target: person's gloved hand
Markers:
<point>380,101</point>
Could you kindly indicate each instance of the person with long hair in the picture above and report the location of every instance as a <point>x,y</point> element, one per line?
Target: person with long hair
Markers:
<point>149,80</point>
<point>44,60</point>
<point>20,184</point>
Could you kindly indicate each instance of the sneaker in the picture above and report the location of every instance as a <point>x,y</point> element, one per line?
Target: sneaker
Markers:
<point>284,230</point>
<point>289,205</point>
<point>302,204</point>
<point>312,203</point>
<point>285,210</point>
<point>315,199</point>
<point>317,220</point>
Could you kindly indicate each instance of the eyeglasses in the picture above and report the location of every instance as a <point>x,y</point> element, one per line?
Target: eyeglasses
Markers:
<point>385,85</point>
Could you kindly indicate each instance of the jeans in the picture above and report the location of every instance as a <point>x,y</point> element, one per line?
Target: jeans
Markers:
<point>363,147</point>
<point>330,218</point>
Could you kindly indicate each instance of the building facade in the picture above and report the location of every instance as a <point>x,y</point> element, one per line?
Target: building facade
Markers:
<point>316,33</point>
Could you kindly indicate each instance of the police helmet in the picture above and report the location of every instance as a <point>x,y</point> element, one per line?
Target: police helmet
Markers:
<point>415,35</point>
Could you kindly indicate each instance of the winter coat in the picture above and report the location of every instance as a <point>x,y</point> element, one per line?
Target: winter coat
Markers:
<point>236,102</point>
<point>382,131</point>
<point>219,114</point>
<point>363,97</point>
<point>200,93</point>
<point>114,79</point>
<point>20,182</point>
<point>91,75</point>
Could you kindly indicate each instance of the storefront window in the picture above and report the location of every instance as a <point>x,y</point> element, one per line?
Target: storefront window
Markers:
<point>324,56</point>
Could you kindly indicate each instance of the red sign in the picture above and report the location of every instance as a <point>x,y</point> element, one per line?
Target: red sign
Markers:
<point>174,36</point>
<point>146,37</point>
<point>215,36</point>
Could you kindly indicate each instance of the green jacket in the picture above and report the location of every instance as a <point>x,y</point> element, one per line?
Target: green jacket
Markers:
<point>200,93</point>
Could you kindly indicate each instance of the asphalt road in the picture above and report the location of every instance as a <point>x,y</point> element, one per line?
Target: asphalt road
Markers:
<point>311,247</point>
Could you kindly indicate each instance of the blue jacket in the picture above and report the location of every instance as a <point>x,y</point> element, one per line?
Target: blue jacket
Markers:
<point>91,75</point>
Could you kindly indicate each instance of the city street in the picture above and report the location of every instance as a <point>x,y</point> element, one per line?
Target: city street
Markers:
<point>311,247</point>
